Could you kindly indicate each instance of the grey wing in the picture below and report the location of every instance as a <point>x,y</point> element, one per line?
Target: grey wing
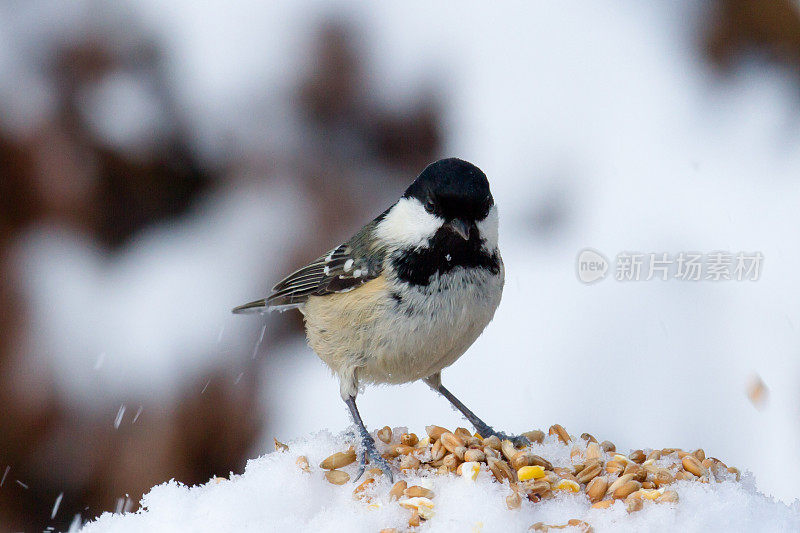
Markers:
<point>344,268</point>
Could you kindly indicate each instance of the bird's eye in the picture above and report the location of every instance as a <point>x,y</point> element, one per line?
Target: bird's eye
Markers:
<point>430,206</point>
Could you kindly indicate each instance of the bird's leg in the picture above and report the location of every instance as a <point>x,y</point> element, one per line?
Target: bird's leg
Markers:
<point>481,427</point>
<point>368,449</point>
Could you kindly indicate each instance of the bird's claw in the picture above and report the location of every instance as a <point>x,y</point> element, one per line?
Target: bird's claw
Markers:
<point>516,440</point>
<point>370,452</point>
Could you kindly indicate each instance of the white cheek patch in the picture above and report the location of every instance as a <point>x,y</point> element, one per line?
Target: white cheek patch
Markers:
<point>488,229</point>
<point>407,224</point>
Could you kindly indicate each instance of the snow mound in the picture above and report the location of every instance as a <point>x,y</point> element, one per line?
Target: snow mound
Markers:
<point>287,491</point>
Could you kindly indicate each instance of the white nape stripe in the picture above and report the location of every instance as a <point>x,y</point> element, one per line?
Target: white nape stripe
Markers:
<point>408,225</point>
<point>488,229</point>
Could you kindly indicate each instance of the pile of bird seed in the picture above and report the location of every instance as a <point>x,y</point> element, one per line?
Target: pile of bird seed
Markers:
<point>640,478</point>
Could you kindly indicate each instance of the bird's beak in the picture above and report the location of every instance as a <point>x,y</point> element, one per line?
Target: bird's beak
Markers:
<point>460,227</point>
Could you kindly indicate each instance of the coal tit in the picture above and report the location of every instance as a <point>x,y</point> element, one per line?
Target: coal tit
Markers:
<point>406,295</point>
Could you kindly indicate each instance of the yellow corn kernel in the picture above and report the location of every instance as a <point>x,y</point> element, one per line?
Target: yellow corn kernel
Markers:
<point>424,506</point>
<point>530,472</point>
<point>651,494</point>
<point>470,469</point>
<point>567,485</point>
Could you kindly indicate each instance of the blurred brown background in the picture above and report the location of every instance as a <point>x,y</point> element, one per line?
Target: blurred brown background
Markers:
<point>59,171</point>
<point>64,167</point>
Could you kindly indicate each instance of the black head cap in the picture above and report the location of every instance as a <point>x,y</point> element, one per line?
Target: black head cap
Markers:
<point>453,188</point>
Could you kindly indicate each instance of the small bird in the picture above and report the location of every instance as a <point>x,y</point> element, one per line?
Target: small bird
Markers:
<point>406,295</point>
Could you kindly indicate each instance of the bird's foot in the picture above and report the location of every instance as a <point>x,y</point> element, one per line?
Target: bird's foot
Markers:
<point>369,453</point>
<point>516,440</point>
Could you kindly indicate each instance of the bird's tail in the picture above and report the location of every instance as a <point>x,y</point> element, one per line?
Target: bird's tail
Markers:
<point>258,306</point>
